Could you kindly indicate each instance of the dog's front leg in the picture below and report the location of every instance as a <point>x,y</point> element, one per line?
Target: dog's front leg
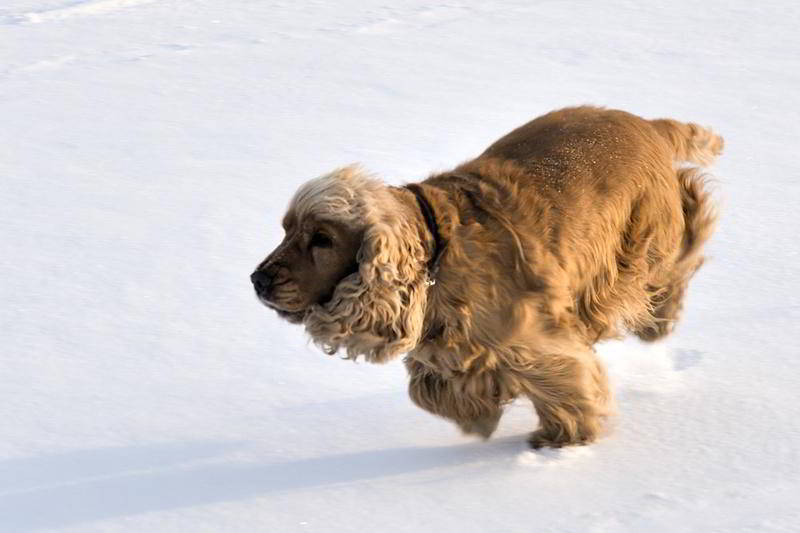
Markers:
<point>470,401</point>
<point>570,393</point>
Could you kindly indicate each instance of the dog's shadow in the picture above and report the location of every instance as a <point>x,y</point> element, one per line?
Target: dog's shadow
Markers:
<point>82,486</point>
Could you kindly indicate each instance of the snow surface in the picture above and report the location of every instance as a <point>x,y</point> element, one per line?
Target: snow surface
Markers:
<point>147,151</point>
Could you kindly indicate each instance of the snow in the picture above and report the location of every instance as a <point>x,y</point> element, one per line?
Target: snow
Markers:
<point>147,151</point>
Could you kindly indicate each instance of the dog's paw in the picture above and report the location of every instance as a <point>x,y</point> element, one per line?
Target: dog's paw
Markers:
<point>542,439</point>
<point>482,427</point>
<point>657,331</point>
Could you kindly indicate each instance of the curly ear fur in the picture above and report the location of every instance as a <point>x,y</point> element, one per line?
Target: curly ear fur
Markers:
<point>377,312</point>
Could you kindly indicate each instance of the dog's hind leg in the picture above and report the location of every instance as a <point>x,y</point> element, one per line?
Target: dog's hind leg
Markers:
<point>472,402</point>
<point>667,306</point>
<point>571,395</point>
<point>667,296</point>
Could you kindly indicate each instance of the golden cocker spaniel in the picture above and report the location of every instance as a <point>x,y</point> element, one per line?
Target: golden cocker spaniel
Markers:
<point>496,278</point>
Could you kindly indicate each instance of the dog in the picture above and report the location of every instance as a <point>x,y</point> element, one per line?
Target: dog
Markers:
<point>498,277</point>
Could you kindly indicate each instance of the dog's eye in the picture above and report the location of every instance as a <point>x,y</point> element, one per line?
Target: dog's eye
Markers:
<point>320,240</point>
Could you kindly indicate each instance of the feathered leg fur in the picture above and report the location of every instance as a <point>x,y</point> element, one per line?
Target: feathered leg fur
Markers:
<point>472,403</point>
<point>571,395</point>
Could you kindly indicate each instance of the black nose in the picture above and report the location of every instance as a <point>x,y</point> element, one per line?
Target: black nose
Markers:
<point>261,281</point>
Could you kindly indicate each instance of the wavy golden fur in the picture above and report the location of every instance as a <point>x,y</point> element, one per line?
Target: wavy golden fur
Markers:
<point>579,225</point>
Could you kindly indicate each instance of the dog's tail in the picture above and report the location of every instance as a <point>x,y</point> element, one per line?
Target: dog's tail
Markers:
<point>692,143</point>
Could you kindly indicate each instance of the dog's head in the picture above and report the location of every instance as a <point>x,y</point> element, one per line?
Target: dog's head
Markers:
<point>351,267</point>
<point>315,255</point>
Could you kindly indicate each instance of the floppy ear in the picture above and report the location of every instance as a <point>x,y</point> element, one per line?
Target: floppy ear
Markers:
<point>377,312</point>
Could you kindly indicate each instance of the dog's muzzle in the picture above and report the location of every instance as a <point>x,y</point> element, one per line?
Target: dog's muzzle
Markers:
<point>262,282</point>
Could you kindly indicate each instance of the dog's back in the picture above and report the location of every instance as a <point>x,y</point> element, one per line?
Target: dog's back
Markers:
<point>622,219</point>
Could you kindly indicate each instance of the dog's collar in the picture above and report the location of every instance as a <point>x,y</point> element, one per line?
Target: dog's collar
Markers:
<point>430,220</point>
